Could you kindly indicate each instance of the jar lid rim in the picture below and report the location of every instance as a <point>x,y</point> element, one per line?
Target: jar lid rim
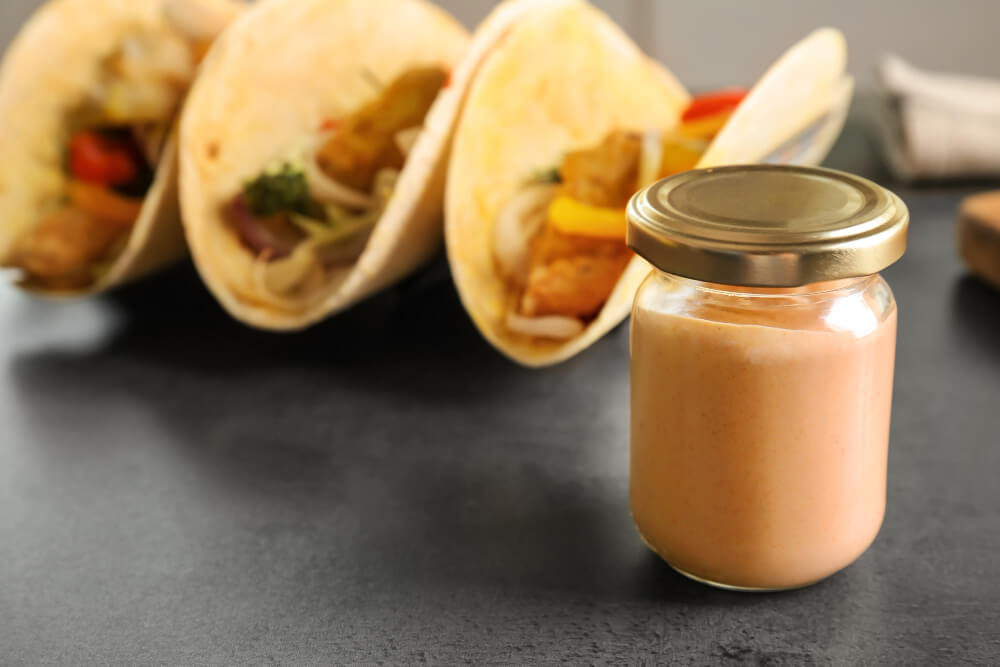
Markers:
<point>768,225</point>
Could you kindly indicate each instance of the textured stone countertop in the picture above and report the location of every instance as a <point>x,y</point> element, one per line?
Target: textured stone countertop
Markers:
<point>178,489</point>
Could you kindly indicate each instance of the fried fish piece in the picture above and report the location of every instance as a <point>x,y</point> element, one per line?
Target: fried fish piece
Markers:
<point>365,142</point>
<point>62,251</point>
<point>606,175</point>
<point>572,275</point>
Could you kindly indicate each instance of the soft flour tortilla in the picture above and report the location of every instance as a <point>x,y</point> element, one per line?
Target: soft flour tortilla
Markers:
<point>46,72</point>
<point>806,84</point>
<point>266,87</point>
<point>585,80</point>
<point>564,77</point>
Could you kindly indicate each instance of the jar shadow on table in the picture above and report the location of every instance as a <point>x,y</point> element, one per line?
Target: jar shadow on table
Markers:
<point>976,310</point>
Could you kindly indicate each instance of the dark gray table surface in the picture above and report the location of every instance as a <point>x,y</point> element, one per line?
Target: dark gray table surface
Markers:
<point>385,488</point>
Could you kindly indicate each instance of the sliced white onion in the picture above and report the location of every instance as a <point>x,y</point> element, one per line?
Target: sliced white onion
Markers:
<point>142,86</point>
<point>407,139</point>
<point>199,20</point>
<point>325,190</point>
<point>345,253</point>
<point>556,327</point>
<point>149,59</point>
<point>650,158</point>
<point>519,222</point>
<point>280,277</point>
<point>385,184</point>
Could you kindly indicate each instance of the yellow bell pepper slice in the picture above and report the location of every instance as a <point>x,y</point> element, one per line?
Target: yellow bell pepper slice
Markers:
<point>680,154</point>
<point>570,216</point>
<point>706,127</point>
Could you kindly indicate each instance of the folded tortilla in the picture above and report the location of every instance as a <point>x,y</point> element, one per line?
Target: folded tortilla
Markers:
<point>565,77</point>
<point>267,87</point>
<point>48,71</point>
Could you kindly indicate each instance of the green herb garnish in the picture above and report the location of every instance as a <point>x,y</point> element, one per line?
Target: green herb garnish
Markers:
<point>550,175</point>
<point>279,190</point>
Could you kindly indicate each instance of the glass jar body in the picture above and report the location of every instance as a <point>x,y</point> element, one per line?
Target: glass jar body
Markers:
<point>760,426</point>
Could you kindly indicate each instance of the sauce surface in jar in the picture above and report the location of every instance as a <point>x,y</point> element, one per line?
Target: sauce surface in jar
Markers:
<point>762,382</point>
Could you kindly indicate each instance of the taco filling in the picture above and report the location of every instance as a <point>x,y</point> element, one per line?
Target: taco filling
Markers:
<point>113,140</point>
<point>309,215</point>
<point>560,241</point>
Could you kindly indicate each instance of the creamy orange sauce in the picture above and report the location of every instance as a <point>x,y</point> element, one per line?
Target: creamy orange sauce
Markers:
<point>759,442</point>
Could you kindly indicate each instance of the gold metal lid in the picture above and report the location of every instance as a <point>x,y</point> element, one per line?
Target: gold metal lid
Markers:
<point>767,225</point>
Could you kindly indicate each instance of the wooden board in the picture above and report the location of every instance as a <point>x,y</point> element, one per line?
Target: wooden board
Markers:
<point>979,235</point>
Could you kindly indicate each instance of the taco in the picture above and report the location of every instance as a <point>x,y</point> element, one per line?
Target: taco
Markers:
<point>313,149</point>
<point>546,157</point>
<point>89,91</point>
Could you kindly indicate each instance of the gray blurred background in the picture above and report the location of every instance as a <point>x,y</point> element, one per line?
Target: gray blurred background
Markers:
<point>710,43</point>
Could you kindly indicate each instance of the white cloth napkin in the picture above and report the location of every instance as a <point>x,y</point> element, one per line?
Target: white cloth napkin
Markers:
<point>938,126</point>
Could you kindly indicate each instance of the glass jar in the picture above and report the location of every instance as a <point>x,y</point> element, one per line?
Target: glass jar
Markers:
<point>762,364</point>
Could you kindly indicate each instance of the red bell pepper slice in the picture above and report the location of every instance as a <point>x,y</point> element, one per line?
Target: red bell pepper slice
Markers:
<point>102,160</point>
<point>714,103</point>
